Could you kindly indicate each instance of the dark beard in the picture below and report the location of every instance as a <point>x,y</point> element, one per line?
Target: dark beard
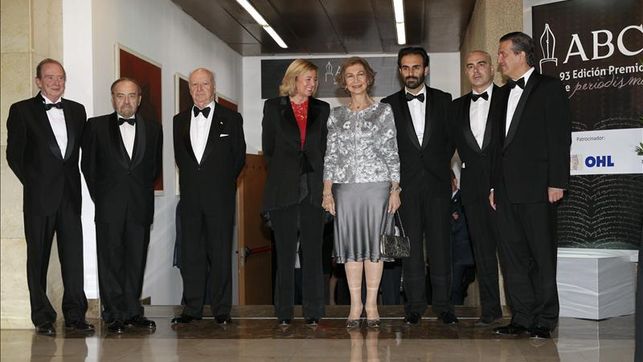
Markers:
<point>413,82</point>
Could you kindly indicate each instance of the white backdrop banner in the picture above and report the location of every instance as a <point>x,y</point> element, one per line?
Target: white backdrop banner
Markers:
<point>606,152</point>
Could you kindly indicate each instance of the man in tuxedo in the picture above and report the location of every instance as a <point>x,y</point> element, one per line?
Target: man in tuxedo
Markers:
<point>122,156</point>
<point>473,132</point>
<point>210,151</point>
<point>425,149</point>
<point>530,174</point>
<point>44,134</point>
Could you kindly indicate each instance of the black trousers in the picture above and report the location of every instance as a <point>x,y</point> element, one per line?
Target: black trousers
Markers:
<point>528,253</point>
<point>206,256</point>
<point>309,233</point>
<point>483,232</point>
<point>122,254</point>
<point>427,219</point>
<point>39,232</point>
<point>391,281</point>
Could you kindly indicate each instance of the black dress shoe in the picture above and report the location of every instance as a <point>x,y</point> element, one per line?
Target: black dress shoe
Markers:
<point>540,332</point>
<point>223,319</point>
<point>116,327</point>
<point>510,330</point>
<point>141,322</point>
<point>487,321</point>
<point>284,322</point>
<point>46,329</point>
<point>80,326</point>
<point>448,318</point>
<point>184,319</point>
<point>312,322</point>
<point>412,319</point>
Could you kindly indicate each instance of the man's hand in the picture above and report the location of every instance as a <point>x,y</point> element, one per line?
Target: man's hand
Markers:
<point>554,194</point>
<point>492,200</point>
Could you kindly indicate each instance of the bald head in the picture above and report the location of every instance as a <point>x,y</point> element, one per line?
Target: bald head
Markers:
<point>202,87</point>
<point>479,70</point>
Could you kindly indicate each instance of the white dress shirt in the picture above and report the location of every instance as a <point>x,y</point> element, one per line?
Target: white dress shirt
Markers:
<point>418,112</point>
<point>57,122</point>
<point>514,97</point>
<point>478,114</point>
<point>128,134</point>
<point>199,131</point>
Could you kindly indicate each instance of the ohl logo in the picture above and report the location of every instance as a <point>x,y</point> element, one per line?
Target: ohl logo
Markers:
<point>599,161</point>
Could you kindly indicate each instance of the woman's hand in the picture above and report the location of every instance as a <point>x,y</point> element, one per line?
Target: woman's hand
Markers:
<point>328,203</point>
<point>394,202</point>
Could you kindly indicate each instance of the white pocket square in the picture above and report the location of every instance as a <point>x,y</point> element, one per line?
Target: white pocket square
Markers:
<point>223,135</point>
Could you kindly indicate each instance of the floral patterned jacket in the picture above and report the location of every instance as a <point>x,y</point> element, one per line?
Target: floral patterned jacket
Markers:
<point>361,145</point>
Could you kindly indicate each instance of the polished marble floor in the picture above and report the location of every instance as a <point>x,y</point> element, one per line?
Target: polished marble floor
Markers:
<point>254,336</point>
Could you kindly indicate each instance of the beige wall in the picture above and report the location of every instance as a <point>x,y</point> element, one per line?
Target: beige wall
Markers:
<point>30,31</point>
<point>490,20</point>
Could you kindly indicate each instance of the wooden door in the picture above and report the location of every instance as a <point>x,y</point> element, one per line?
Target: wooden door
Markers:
<point>255,252</point>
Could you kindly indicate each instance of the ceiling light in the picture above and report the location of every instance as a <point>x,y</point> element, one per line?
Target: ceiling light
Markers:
<point>275,36</point>
<point>261,21</point>
<point>398,9</point>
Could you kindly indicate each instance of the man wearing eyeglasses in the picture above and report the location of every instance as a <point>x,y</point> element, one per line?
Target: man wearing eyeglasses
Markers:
<point>43,139</point>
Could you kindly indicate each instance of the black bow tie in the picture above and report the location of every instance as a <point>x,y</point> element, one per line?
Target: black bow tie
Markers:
<point>49,106</point>
<point>520,83</point>
<point>131,121</point>
<point>475,97</point>
<point>205,111</point>
<point>410,97</point>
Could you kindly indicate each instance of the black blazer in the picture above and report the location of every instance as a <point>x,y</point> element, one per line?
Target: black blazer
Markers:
<point>285,159</point>
<point>475,177</point>
<point>45,171</point>
<point>430,162</point>
<point>534,154</point>
<point>210,186</point>
<point>121,187</point>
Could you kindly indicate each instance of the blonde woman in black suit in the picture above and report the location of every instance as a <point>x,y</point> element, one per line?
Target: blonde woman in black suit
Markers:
<point>294,143</point>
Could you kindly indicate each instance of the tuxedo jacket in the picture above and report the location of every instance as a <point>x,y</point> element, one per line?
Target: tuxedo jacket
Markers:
<point>209,186</point>
<point>45,171</point>
<point>475,178</point>
<point>534,155</point>
<point>286,161</point>
<point>427,163</point>
<point>119,186</point>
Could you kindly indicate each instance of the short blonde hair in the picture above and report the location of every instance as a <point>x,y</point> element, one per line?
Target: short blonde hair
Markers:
<point>295,69</point>
<point>340,79</point>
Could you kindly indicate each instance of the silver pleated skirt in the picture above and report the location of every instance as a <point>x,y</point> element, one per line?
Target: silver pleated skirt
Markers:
<point>359,220</point>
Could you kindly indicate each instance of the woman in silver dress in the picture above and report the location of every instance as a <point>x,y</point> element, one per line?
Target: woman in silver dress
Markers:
<point>361,184</point>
